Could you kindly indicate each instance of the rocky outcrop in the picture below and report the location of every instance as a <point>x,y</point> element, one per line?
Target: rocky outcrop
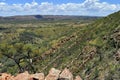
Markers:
<point>54,74</point>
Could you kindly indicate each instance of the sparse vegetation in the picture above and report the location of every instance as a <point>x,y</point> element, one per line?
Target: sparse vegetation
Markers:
<point>87,48</point>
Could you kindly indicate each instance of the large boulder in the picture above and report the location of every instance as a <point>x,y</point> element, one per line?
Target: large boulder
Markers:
<point>66,75</point>
<point>53,74</point>
<point>37,76</point>
<point>5,76</point>
<point>23,76</point>
<point>78,78</point>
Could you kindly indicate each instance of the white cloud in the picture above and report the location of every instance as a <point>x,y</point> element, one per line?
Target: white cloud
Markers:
<point>32,6</point>
<point>88,7</point>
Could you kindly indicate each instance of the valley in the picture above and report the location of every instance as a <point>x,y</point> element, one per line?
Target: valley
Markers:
<point>87,46</point>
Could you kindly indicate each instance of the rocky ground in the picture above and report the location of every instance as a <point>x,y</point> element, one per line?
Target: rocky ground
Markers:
<point>54,74</point>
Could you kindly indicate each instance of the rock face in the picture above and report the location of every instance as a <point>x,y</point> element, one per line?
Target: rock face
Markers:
<point>54,74</point>
<point>66,74</point>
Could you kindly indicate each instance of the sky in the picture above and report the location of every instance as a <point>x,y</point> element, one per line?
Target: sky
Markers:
<point>59,7</point>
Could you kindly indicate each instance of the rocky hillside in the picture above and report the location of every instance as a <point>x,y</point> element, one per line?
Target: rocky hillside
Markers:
<point>92,52</point>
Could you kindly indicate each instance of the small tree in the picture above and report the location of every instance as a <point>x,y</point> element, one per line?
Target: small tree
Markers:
<point>21,54</point>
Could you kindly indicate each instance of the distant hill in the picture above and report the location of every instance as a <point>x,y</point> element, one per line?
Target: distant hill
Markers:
<point>47,17</point>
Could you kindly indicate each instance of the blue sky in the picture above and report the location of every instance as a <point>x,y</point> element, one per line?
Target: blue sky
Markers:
<point>56,1</point>
<point>59,7</point>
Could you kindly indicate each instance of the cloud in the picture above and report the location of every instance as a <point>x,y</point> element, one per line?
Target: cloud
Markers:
<point>88,7</point>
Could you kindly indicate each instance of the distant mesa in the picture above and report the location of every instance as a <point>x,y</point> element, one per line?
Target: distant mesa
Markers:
<point>38,16</point>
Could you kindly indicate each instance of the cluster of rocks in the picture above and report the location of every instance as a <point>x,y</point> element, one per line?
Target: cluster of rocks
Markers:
<point>117,55</point>
<point>54,74</point>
